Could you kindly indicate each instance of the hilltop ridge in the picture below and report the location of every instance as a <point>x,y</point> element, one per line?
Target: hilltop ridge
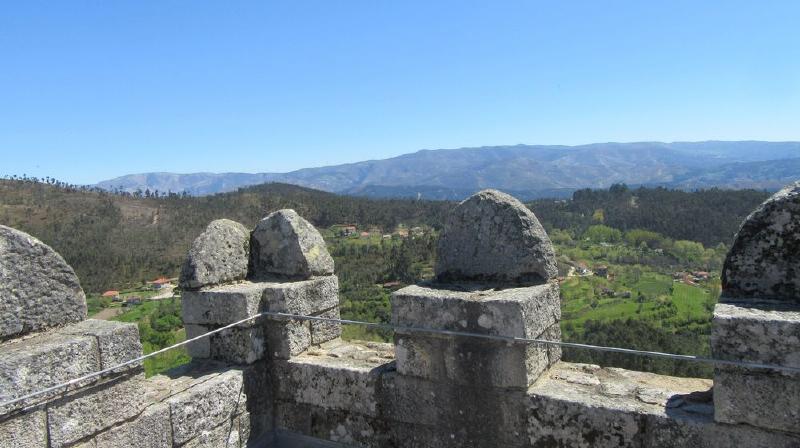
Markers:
<point>527,171</point>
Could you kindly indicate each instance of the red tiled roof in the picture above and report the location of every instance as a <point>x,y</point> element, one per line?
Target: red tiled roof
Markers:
<point>111,293</point>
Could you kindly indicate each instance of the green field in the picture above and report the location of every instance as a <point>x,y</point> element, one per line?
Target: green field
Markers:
<point>160,326</point>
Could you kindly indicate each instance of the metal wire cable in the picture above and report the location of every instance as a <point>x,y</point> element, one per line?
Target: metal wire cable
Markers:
<point>507,339</point>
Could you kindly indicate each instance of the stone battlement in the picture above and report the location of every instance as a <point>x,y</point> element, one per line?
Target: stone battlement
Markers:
<point>281,382</point>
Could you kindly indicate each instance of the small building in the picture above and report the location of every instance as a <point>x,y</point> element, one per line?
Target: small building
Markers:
<point>365,234</point>
<point>132,300</point>
<point>601,271</point>
<point>160,283</point>
<point>402,232</point>
<point>345,229</point>
<point>417,231</point>
<point>700,276</point>
<point>113,295</point>
<point>582,269</point>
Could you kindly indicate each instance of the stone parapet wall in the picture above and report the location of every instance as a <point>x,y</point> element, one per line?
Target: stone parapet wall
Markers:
<point>203,404</point>
<point>345,393</point>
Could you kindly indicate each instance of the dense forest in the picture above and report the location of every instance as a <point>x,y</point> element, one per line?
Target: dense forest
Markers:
<point>707,216</point>
<point>115,240</point>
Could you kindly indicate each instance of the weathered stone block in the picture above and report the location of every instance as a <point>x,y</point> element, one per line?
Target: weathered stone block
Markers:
<point>234,433</point>
<point>758,334</point>
<point>91,409</point>
<point>423,436</point>
<point>239,345</point>
<point>285,244</point>
<point>517,312</point>
<point>329,383</point>
<point>531,312</point>
<point>758,397</point>
<point>491,236</point>
<point>200,349</point>
<point>206,405</point>
<point>348,429</point>
<point>226,304</point>
<point>483,416</point>
<point>219,255</point>
<point>222,305</point>
<point>306,297</point>
<point>43,361</point>
<point>565,421</point>
<point>326,331</point>
<point>151,429</point>
<point>675,429</point>
<point>117,341</point>
<point>583,405</point>
<point>286,338</point>
<point>24,430</point>
<point>258,387</point>
<point>38,289</point>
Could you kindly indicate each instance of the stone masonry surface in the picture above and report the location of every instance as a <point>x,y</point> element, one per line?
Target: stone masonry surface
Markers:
<point>285,244</point>
<point>764,260</point>
<point>526,312</point>
<point>218,255</point>
<point>38,289</point>
<point>493,237</point>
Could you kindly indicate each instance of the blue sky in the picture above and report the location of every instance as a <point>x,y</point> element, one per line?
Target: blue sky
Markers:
<point>93,90</point>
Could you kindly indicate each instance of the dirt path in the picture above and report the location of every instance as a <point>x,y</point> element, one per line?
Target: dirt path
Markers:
<point>107,313</point>
<point>163,295</point>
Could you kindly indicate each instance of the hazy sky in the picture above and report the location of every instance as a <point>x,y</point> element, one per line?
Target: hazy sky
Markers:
<point>93,90</point>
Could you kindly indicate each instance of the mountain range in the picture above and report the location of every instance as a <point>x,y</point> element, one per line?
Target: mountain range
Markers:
<point>528,171</point>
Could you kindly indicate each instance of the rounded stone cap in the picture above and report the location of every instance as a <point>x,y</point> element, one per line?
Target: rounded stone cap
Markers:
<point>284,244</point>
<point>764,261</point>
<point>38,289</point>
<point>219,255</point>
<point>493,237</point>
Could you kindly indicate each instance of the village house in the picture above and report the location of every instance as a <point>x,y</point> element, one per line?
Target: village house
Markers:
<point>132,300</point>
<point>345,229</point>
<point>160,283</point>
<point>582,269</point>
<point>113,295</point>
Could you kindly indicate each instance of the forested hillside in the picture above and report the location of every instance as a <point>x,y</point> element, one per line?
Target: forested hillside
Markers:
<point>708,216</point>
<point>117,240</point>
<point>114,241</point>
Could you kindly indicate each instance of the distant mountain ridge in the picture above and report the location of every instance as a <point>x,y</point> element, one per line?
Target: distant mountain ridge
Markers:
<point>528,171</point>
